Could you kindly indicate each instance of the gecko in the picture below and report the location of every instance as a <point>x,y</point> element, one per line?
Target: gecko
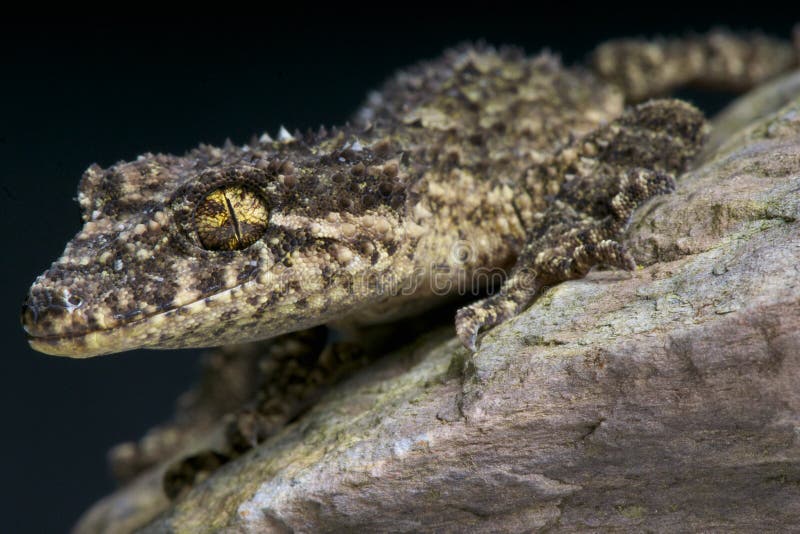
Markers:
<point>483,161</point>
<point>481,168</point>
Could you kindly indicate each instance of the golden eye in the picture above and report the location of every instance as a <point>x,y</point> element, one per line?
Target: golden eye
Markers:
<point>231,218</point>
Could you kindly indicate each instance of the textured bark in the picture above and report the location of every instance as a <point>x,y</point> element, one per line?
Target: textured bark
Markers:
<point>665,400</point>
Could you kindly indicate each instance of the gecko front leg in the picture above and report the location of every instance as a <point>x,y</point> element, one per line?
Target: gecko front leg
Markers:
<point>606,176</point>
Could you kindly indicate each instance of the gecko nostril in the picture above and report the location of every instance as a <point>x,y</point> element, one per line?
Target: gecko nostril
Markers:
<point>74,301</point>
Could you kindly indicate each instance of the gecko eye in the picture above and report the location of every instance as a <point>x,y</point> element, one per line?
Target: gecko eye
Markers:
<point>231,218</point>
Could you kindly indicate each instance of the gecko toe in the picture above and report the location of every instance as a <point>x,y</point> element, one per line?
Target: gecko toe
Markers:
<point>467,327</point>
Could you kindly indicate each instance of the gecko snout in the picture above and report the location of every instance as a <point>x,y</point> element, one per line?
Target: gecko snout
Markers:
<point>51,313</point>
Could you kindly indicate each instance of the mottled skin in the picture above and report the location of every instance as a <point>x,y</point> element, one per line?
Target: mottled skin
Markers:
<point>482,165</point>
<point>479,161</point>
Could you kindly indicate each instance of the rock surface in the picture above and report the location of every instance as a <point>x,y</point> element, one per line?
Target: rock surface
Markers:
<point>666,400</point>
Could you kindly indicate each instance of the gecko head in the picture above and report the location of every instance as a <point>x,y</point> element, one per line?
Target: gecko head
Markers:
<point>219,246</point>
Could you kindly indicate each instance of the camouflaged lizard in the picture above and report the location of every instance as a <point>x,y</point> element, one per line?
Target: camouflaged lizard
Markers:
<point>483,161</point>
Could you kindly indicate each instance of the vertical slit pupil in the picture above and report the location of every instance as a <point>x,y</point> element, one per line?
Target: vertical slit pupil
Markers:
<point>230,218</point>
<point>236,229</point>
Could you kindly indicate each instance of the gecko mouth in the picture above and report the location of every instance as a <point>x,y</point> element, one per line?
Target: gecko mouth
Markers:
<point>86,343</point>
<point>57,330</point>
<point>83,344</point>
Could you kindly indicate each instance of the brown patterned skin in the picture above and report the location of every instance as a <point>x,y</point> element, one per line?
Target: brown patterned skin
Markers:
<point>478,163</point>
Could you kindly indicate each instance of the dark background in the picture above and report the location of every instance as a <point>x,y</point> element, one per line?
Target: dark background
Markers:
<point>80,90</point>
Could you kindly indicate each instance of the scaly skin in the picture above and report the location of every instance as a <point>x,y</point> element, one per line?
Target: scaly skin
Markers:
<point>478,163</point>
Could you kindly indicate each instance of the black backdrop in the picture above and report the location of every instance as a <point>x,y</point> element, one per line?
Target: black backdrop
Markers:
<point>80,90</point>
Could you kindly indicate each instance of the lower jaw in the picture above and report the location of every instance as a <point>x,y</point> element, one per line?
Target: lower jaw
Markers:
<point>84,346</point>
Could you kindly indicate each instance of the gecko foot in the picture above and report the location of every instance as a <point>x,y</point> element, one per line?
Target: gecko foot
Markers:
<point>524,285</point>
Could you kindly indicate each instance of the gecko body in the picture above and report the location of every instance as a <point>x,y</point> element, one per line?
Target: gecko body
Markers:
<point>481,165</point>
